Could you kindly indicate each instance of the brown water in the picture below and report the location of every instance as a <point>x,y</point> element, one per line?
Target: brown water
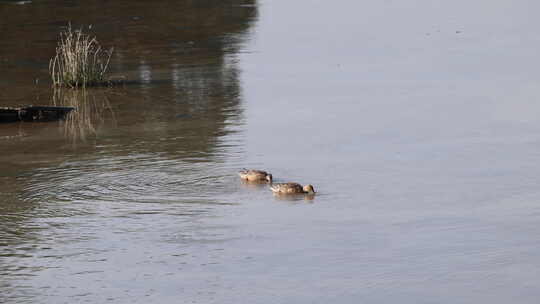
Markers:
<point>418,124</point>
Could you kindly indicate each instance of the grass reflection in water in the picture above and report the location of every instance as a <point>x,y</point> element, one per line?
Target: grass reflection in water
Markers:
<point>91,109</point>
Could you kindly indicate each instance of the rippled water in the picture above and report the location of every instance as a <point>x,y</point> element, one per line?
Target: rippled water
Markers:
<point>417,123</point>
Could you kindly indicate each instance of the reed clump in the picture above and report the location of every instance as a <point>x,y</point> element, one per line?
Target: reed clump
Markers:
<point>80,60</point>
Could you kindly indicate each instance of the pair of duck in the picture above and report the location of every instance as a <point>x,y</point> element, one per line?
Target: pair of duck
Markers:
<point>281,188</point>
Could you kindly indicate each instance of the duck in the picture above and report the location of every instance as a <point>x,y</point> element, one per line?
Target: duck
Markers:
<point>292,188</point>
<point>255,175</point>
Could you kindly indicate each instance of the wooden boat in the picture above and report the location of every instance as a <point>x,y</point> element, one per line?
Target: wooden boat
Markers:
<point>34,113</point>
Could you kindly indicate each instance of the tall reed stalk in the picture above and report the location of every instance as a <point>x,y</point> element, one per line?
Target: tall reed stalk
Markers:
<point>79,61</point>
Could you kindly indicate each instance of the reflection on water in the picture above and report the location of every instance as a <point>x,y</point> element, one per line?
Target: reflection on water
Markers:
<point>136,168</point>
<point>92,108</point>
<point>295,198</point>
<point>255,184</point>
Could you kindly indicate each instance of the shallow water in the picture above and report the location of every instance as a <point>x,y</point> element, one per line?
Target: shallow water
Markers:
<point>417,123</point>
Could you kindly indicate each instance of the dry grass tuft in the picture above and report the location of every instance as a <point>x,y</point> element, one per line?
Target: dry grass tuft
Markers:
<point>79,61</point>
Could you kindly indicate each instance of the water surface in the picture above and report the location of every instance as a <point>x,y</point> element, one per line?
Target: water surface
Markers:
<point>417,123</point>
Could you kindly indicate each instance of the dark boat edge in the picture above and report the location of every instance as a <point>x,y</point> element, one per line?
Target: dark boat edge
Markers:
<point>33,113</point>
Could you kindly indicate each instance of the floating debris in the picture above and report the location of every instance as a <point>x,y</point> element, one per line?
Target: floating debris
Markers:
<point>33,113</point>
<point>183,116</point>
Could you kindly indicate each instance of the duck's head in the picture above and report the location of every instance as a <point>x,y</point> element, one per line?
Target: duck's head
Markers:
<point>269,177</point>
<point>309,189</point>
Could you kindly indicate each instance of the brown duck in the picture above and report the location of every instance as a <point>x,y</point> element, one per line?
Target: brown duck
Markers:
<point>292,188</point>
<point>255,175</point>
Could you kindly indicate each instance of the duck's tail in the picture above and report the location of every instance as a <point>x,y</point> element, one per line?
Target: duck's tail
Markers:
<point>242,173</point>
<point>274,188</point>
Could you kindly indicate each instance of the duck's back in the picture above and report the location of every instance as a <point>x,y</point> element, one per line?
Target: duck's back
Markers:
<point>287,188</point>
<point>253,174</point>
